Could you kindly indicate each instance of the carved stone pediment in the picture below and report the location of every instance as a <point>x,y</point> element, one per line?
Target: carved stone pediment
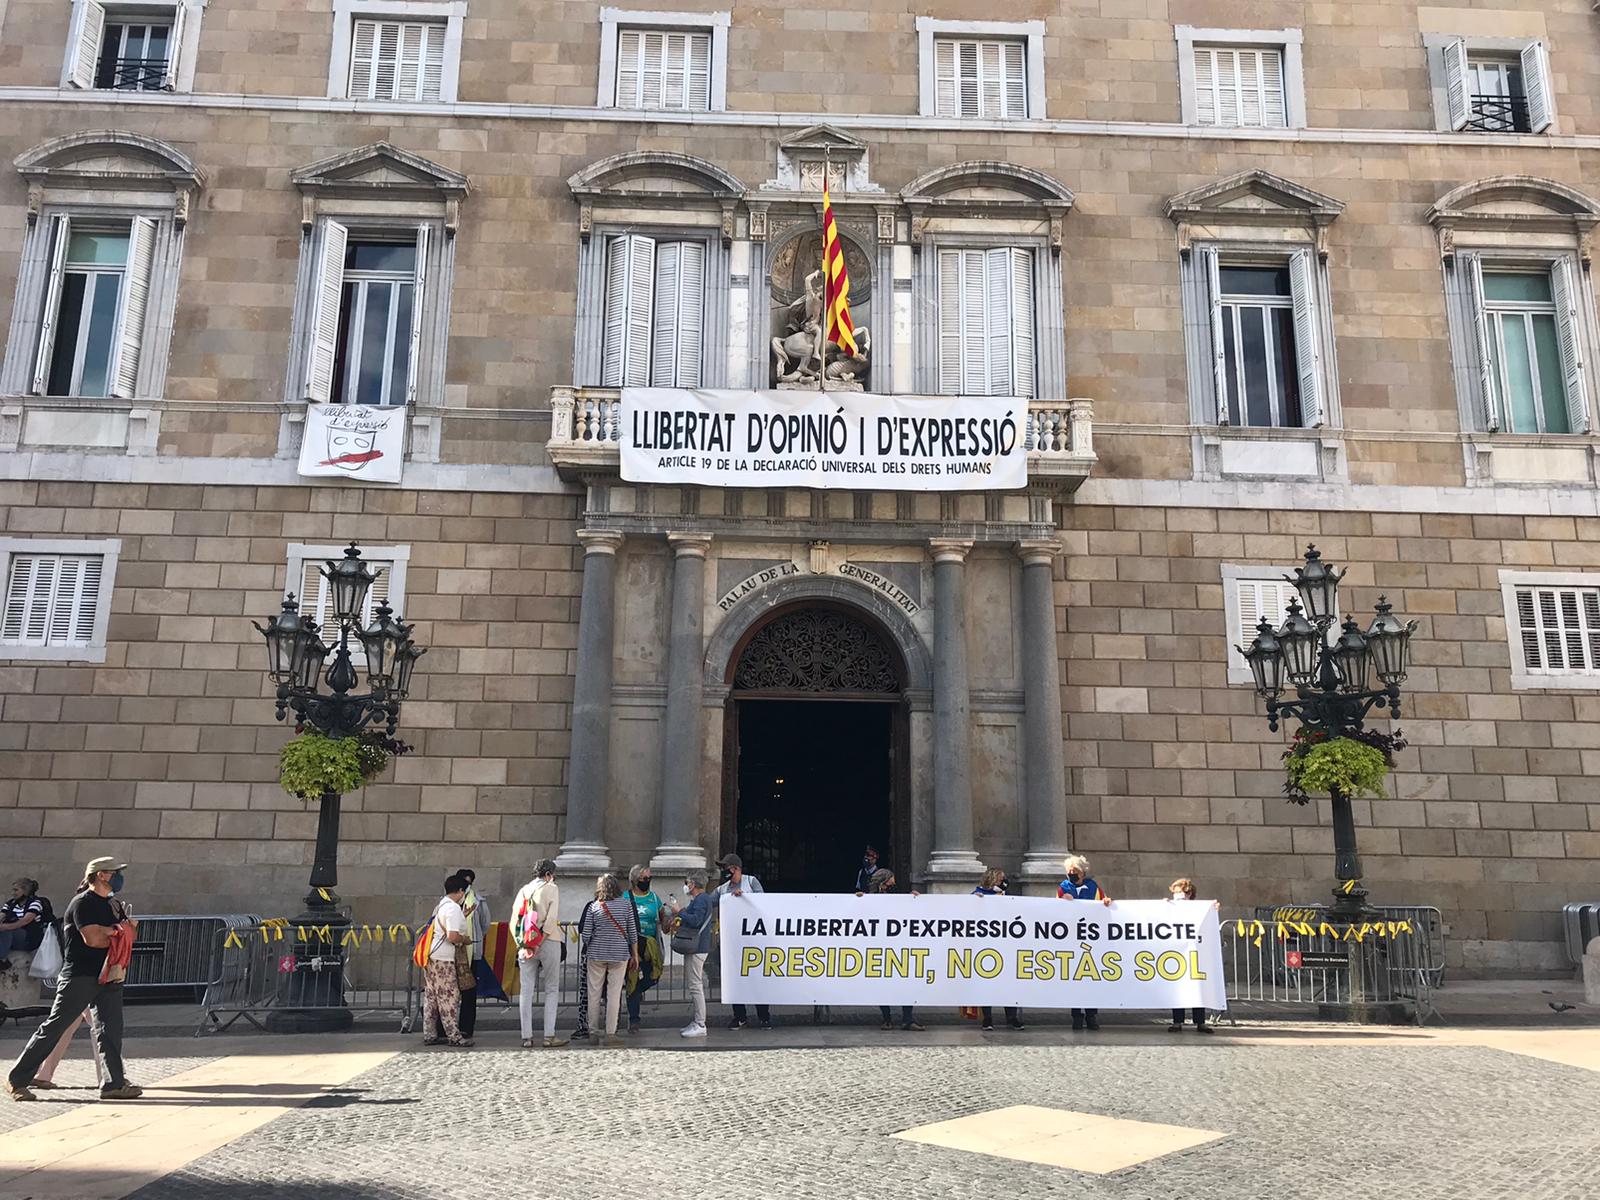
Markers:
<point>986,188</point>
<point>825,140</point>
<point>1514,202</point>
<point>648,173</point>
<point>111,161</point>
<point>1254,197</point>
<point>380,170</point>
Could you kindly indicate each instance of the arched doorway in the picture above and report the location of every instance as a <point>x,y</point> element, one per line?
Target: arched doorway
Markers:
<point>814,748</point>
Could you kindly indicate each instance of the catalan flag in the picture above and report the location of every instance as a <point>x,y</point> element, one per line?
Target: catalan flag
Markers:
<point>836,282</point>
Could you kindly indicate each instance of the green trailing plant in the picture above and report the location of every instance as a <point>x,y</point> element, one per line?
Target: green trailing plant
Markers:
<point>1355,765</point>
<point>312,764</point>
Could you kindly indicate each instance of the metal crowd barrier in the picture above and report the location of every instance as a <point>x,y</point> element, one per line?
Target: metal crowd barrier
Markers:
<point>1582,925</point>
<point>180,952</point>
<point>1428,924</point>
<point>1312,962</point>
<point>272,966</point>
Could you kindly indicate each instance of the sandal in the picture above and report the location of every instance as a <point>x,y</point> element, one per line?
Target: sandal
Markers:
<point>527,1043</point>
<point>431,1041</point>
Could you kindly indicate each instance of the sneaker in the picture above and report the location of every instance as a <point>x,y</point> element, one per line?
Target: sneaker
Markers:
<point>1175,1027</point>
<point>127,1091</point>
<point>766,1025</point>
<point>553,1043</point>
<point>987,1027</point>
<point>461,1043</point>
<point>633,1027</point>
<point>737,1023</point>
<point>580,1035</point>
<point>696,1030</point>
<point>913,1028</point>
<point>1018,1025</point>
<point>19,1093</point>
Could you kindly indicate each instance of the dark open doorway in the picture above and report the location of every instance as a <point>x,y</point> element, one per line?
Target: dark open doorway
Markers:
<point>814,750</point>
<point>816,783</point>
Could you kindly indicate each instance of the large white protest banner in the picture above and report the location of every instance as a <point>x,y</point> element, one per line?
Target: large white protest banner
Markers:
<point>789,948</point>
<point>820,439</point>
<point>357,441</point>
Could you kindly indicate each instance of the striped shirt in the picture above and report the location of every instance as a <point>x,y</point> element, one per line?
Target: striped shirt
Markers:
<point>603,940</point>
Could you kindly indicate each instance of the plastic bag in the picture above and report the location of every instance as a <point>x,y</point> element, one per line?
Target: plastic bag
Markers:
<point>46,962</point>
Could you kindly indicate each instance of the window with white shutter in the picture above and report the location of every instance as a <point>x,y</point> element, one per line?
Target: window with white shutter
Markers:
<point>1528,336</point>
<point>1553,623</point>
<point>1250,593</point>
<point>1492,86</point>
<point>980,78</point>
<point>654,324</point>
<point>664,69</point>
<point>397,60</point>
<point>305,581</point>
<point>131,47</point>
<point>986,322</point>
<point>56,601</point>
<point>1239,87</point>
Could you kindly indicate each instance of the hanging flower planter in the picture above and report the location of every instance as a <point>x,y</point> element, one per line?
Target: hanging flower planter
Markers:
<point>1350,766</point>
<point>312,764</point>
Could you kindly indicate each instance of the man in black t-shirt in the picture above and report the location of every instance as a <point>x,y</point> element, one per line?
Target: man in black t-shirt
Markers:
<point>90,923</point>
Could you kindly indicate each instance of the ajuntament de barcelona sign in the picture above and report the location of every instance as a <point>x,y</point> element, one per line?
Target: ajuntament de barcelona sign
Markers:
<point>728,438</point>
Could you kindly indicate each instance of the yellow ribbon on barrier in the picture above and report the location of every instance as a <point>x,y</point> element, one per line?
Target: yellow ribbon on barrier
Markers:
<point>351,938</point>
<point>1349,886</point>
<point>325,894</point>
<point>396,932</point>
<point>233,939</point>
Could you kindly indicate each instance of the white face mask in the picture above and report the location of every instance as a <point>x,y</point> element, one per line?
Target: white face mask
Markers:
<point>1179,896</point>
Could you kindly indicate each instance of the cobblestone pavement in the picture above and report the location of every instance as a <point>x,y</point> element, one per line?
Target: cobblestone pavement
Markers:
<point>1335,1116</point>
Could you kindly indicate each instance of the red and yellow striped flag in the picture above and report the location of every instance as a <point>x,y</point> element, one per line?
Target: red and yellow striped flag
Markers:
<point>836,282</point>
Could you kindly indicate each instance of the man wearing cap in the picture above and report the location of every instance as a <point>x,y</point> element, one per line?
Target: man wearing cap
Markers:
<point>736,883</point>
<point>90,922</point>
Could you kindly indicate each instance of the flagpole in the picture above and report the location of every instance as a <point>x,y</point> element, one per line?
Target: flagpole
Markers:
<point>822,324</point>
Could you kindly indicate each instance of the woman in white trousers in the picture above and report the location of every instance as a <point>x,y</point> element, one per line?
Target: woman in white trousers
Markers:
<point>537,910</point>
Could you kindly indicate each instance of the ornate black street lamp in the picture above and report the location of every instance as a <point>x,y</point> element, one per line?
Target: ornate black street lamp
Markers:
<point>295,656</point>
<point>1332,692</point>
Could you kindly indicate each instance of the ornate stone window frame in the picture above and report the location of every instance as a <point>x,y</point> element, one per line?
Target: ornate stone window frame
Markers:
<point>1529,221</point>
<point>1522,678</point>
<point>183,55</point>
<point>1438,46</point>
<point>614,20</point>
<point>1255,215</point>
<point>111,174</point>
<point>622,194</point>
<point>451,13</point>
<point>966,205</point>
<point>379,189</point>
<point>1030,33</point>
<point>1289,41</point>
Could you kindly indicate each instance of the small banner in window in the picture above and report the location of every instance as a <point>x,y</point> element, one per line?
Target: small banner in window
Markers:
<point>354,440</point>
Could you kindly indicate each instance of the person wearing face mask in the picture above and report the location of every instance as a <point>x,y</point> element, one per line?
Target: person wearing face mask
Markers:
<point>995,884</point>
<point>1184,889</point>
<point>693,942</point>
<point>736,883</point>
<point>1079,886</point>
<point>647,909</point>
<point>95,922</point>
<point>869,865</point>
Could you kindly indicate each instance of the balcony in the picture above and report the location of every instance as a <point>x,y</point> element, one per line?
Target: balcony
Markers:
<point>132,74</point>
<point>1499,114</point>
<point>585,425</point>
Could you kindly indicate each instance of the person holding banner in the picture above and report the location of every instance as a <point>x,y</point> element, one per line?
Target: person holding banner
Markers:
<point>1184,889</point>
<point>881,883</point>
<point>1079,886</point>
<point>736,883</point>
<point>994,884</point>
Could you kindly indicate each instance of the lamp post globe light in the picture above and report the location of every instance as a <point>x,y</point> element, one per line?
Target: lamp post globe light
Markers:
<point>296,653</point>
<point>1331,680</point>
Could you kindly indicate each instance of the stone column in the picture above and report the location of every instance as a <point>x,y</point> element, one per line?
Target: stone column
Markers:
<point>953,865</point>
<point>683,730</point>
<point>589,764</point>
<point>1043,768</point>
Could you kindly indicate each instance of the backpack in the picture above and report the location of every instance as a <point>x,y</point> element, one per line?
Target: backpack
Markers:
<point>525,928</point>
<point>422,952</point>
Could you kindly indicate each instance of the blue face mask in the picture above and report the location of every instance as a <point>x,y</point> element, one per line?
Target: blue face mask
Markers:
<point>116,883</point>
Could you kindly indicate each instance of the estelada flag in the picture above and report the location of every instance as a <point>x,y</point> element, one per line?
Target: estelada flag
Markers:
<point>835,282</point>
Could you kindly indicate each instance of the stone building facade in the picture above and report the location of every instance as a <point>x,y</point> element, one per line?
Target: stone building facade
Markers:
<point>1274,274</point>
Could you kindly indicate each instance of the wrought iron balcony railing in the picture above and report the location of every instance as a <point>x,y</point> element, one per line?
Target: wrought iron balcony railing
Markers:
<point>1499,114</point>
<point>134,74</point>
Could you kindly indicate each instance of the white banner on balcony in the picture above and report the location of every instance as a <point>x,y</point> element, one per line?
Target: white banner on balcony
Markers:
<point>355,440</point>
<point>817,439</point>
